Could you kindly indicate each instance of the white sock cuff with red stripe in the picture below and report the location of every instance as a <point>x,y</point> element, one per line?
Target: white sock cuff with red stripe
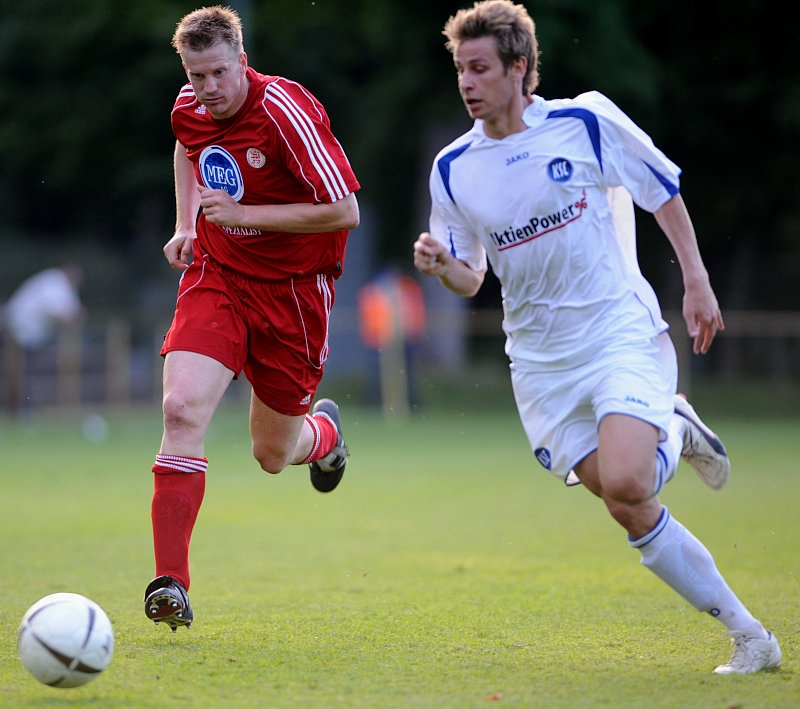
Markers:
<point>315,445</point>
<point>181,463</point>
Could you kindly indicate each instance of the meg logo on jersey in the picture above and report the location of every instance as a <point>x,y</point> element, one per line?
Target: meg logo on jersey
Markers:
<point>219,171</point>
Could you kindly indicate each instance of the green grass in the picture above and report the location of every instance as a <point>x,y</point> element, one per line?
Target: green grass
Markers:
<point>448,570</point>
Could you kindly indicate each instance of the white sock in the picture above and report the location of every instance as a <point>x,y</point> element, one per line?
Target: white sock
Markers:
<point>668,454</point>
<point>681,561</point>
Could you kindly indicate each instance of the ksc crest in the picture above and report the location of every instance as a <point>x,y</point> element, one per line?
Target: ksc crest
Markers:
<point>559,170</point>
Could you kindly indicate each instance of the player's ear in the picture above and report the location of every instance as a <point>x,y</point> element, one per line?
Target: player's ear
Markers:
<point>243,61</point>
<point>520,65</point>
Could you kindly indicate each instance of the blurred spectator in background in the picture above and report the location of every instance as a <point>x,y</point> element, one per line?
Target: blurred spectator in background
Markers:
<point>43,302</point>
<point>392,323</point>
<point>31,318</point>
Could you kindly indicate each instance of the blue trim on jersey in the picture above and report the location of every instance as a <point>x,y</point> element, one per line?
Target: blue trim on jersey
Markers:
<point>671,188</point>
<point>590,121</point>
<point>593,128</point>
<point>644,305</point>
<point>444,167</point>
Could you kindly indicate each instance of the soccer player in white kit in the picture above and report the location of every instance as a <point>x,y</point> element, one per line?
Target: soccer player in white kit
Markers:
<point>528,189</point>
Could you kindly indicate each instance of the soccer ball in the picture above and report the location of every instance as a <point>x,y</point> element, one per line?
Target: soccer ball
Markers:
<point>65,640</point>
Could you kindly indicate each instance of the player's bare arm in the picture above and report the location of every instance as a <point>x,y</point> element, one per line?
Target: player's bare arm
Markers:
<point>220,208</point>
<point>432,258</point>
<point>187,203</point>
<point>700,308</point>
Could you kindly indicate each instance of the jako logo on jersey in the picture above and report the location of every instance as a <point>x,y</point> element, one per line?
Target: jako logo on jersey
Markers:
<point>543,456</point>
<point>220,171</point>
<point>517,158</point>
<point>560,170</point>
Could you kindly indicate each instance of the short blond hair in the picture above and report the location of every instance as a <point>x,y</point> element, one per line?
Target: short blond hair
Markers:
<point>206,27</point>
<point>512,27</point>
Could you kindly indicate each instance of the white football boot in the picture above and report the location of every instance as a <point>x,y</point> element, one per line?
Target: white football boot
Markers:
<point>702,448</point>
<point>751,654</point>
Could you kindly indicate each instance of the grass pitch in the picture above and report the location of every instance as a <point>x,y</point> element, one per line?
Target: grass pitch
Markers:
<point>448,570</point>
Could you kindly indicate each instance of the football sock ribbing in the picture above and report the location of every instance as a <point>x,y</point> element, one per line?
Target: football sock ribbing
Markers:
<point>325,437</point>
<point>179,487</point>
<point>681,561</point>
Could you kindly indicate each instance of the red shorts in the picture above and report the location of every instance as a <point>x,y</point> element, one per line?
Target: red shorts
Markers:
<point>276,332</point>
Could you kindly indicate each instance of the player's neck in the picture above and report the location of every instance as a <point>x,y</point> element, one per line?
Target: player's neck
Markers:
<point>506,123</point>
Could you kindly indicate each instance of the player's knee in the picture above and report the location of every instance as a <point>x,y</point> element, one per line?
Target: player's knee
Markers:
<point>629,490</point>
<point>178,414</point>
<point>271,461</point>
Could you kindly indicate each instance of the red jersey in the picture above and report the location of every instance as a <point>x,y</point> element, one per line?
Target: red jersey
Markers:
<point>277,149</point>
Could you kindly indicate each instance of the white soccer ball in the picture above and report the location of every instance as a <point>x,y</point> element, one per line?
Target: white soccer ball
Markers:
<point>65,640</point>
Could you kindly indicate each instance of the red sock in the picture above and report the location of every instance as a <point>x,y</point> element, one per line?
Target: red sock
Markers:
<point>325,437</point>
<point>179,485</point>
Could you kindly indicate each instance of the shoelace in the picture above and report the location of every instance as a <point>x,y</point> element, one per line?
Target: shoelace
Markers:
<point>746,651</point>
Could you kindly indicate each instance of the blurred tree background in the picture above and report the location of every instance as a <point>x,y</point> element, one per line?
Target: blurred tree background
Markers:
<point>88,86</point>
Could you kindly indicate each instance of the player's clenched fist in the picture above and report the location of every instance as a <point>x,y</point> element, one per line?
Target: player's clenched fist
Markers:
<point>219,207</point>
<point>430,255</point>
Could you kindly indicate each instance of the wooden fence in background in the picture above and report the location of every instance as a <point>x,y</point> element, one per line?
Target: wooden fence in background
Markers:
<point>100,366</point>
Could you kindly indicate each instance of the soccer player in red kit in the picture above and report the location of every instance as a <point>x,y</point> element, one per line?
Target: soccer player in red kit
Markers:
<point>255,158</point>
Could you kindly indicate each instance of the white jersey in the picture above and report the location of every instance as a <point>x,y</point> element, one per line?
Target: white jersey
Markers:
<point>625,227</point>
<point>535,203</point>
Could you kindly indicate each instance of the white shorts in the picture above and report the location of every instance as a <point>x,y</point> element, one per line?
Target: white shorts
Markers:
<point>561,410</point>
<point>668,361</point>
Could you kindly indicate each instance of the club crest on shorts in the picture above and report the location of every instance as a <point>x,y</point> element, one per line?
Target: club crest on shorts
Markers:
<point>544,458</point>
<point>219,171</point>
